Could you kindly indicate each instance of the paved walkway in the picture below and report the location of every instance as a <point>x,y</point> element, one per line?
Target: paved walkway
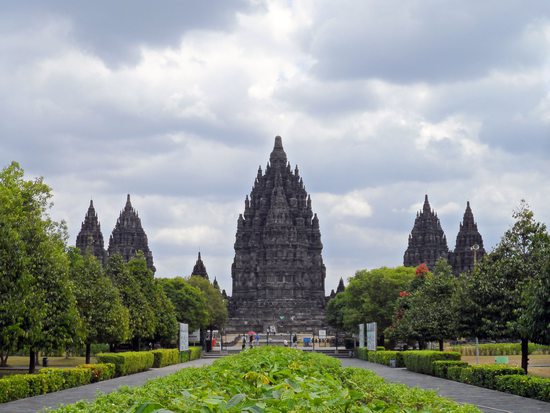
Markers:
<point>490,401</point>
<point>89,392</point>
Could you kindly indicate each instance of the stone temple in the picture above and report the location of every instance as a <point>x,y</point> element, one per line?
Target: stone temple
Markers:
<point>127,238</point>
<point>427,241</point>
<point>278,272</point>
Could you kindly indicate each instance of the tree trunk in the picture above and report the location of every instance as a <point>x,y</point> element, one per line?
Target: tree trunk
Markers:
<point>3,360</point>
<point>135,344</point>
<point>37,358</point>
<point>381,339</point>
<point>440,344</point>
<point>524,353</point>
<point>88,352</point>
<point>32,361</point>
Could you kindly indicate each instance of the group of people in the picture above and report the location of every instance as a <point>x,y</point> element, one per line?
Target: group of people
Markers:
<point>251,339</point>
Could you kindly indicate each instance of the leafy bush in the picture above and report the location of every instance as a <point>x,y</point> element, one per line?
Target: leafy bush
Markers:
<point>165,357</point>
<point>13,387</point>
<point>129,362</point>
<point>274,379</point>
<point>195,353</point>
<point>485,375</point>
<point>380,348</point>
<point>100,371</point>
<point>362,353</point>
<point>526,386</point>
<point>421,361</point>
<point>500,349</point>
<point>384,357</point>
<point>440,366</point>
<point>455,372</point>
<point>70,377</point>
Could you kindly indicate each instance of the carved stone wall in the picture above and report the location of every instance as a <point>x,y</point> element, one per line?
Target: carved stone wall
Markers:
<point>278,272</point>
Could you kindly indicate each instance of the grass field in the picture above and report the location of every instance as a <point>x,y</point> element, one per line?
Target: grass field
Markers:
<point>534,360</point>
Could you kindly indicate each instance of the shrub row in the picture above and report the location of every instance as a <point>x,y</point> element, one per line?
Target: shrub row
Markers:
<point>384,357</point>
<point>483,375</point>
<point>500,349</point>
<point>165,357</point>
<point>421,361</point>
<point>273,379</point>
<point>526,386</point>
<point>440,367</point>
<point>19,386</point>
<point>195,353</point>
<point>129,362</point>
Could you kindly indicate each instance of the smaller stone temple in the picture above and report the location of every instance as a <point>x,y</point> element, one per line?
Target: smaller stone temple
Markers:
<point>428,243</point>
<point>199,268</point>
<point>90,238</point>
<point>127,238</point>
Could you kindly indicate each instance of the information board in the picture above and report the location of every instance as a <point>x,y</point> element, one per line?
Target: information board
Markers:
<point>361,335</point>
<point>371,336</point>
<point>322,334</point>
<point>184,337</point>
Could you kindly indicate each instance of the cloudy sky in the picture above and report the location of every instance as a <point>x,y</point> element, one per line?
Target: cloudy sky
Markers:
<point>378,102</point>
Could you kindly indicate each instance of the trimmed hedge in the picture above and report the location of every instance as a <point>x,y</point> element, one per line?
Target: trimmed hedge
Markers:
<point>195,353</point>
<point>526,386</point>
<point>500,349</point>
<point>455,372</point>
<point>384,357</point>
<point>129,362</point>
<point>362,353</point>
<point>70,377</point>
<point>100,371</point>
<point>440,366</point>
<point>421,361</point>
<point>165,357</point>
<point>484,375</point>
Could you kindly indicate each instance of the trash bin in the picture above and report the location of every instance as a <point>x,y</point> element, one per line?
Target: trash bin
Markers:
<point>44,361</point>
<point>393,363</point>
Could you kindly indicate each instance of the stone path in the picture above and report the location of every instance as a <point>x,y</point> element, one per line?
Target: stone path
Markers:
<point>89,392</point>
<point>489,401</point>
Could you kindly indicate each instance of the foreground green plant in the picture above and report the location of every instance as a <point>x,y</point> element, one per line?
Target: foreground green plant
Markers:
<point>270,379</point>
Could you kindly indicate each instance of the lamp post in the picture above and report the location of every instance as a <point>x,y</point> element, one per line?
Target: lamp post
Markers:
<point>475,248</point>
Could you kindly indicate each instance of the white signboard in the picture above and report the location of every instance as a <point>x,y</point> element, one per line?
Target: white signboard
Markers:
<point>184,337</point>
<point>322,334</point>
<point>371,336</point>
<point>361,335</point>
<point>195,336</point>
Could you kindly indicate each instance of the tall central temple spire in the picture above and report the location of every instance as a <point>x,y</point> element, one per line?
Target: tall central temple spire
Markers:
<point>278,272</point>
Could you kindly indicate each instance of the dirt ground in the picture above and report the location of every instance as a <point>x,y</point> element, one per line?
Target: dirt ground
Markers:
<point>539,365</point>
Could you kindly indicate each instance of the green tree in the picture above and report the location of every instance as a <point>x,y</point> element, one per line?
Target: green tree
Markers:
<point>104,317</point>
<point>371,296</point>
<point>189,302</point>
<point>142,317</point>
<point>429,314</point>
<point>500,290</point>
<point>37,304</point>
<point>215,304</point>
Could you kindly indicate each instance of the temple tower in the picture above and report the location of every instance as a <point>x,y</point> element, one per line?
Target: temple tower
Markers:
<point>464,256</point>
<point>278,272</point>
<point>90,238</point>
<point>128,236</point>
<point>199,268</point>
<point>427,241</point>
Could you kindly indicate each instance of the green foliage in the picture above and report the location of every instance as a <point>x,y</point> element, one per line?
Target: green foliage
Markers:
<point>215,303</point>
<point>526,386</point>
<point>428,314</point>
<point>500,349</point>
<point>104,317</point>
<point>422,361</point>
<point>100,371</point>
<point>270,379</point>
<point>370,296</point>
<point>195,353</point>
<point>189,302</point>
<point>13,387</point>
<point>362,353</point>
<point>141,315</point>
<point>37,305</point>
<point>455,372</point>
<point>71,377</point>
<point>440,367</point>
<point>165,357</point>
<point>128,362</point>
<point>384,357</point>
<point>485,375</point>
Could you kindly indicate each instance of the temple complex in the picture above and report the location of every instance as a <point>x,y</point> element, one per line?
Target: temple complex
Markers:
<point>428,243</point>
<point>278,272</point>
<point>90,238</point>
<point>127,238</point>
